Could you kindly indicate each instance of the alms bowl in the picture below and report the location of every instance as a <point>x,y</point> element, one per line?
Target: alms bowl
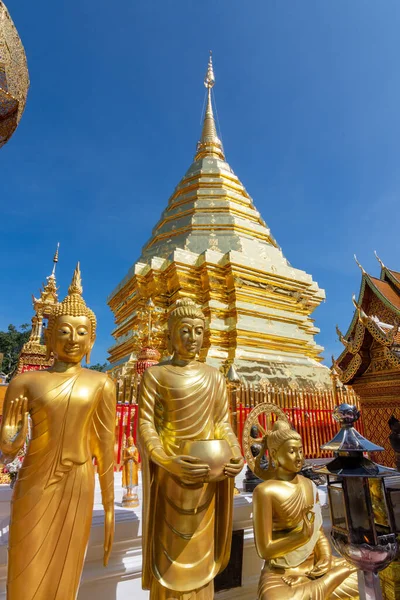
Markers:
<point>215,453</point>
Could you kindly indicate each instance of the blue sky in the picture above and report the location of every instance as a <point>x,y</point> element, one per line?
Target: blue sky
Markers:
<point>308,97</point>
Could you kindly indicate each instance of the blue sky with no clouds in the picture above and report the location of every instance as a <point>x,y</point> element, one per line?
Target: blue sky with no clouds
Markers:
<point>308,98</point>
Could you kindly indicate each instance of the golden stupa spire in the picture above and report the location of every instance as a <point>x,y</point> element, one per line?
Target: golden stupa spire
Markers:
<point>209,144</point>
<point>55,259</point>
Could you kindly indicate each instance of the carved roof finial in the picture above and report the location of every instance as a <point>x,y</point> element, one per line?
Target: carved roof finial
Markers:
<point>363,271</point>
<point>379,260</point>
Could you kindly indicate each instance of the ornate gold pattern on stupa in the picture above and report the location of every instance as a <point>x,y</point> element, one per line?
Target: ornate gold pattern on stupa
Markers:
<point>14,77</point>
<point>212,245</point>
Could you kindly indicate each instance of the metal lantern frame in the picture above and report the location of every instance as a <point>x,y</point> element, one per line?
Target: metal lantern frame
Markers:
<point>363,508</point>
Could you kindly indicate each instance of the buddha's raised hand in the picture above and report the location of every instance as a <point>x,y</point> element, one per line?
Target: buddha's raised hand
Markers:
<point>14,427</point>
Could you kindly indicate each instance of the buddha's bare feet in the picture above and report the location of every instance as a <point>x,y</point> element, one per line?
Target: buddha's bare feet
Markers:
<point>292,580</point>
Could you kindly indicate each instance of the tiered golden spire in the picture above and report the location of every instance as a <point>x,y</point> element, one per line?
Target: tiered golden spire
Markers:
<point>209,144</point>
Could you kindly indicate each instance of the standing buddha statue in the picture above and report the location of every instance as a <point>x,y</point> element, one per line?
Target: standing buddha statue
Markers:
<point>130,474</point>
<point>190,457</point>
<point>288,530</point>
<point>72,413</point>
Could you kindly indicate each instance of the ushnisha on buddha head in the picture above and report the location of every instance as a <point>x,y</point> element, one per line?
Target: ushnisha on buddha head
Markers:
<point>71,331</point>
<point>186,325</point>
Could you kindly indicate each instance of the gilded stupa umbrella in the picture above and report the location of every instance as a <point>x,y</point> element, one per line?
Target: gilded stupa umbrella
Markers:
<point>14,76</point>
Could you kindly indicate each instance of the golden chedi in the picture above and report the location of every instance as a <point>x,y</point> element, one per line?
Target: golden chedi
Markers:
<point>130,474</point>
<point>190,459</point>
<point>288,530</point>
<point>72,413</point>
<point>212,244</point>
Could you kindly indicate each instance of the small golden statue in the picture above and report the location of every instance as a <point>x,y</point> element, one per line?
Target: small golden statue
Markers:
<point>72,412</point>
<point>190,457</point>
<point>288,530</point>
<point>130,474</point>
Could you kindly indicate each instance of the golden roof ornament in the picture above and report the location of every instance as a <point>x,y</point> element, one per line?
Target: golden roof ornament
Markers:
<point>14,76</point>
<point>209,144</point>
<point>379,260</point>
<point>48,295</point>
<point>363,271</point>
<point>209,79</point>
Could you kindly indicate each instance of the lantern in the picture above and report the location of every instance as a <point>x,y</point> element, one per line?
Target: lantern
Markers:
<point>363,519</point>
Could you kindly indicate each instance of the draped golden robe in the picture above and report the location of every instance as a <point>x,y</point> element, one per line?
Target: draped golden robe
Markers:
<point>288,518</point>
<point>52,503</point>
<point>187,529</point>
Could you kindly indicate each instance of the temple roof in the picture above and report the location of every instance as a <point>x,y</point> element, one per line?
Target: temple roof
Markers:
<point>375,323</point>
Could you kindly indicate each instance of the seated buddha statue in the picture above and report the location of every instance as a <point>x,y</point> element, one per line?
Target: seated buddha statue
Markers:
<point>288,530</point>
<point>72,412</point>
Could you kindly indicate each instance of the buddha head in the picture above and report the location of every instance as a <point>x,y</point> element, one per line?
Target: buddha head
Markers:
<point>71,331</point>
<point>185,329</point>
<point>285,448</point>
<point>130,441</point>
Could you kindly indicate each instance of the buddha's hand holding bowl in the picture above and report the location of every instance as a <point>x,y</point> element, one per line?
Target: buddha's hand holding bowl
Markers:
<point>215,454</point>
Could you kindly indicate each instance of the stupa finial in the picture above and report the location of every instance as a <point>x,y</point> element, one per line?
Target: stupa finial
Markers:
<point>209,80</point>
<point>55,259</point>
<point>209,144</point>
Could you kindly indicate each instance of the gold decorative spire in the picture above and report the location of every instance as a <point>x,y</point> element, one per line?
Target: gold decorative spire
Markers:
<point>209,144</point>
<point>55,259</point>
<point>76,283</point>
<point>359,265</point>
<point>379,260</point>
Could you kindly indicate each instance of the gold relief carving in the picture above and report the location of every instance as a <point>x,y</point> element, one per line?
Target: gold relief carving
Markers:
<point>350,371</point>
<point>378,309</point>
<point>353,345</point>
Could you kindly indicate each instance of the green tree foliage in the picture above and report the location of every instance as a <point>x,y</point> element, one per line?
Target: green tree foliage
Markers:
<point>99,367</point>
<point>11,342</point>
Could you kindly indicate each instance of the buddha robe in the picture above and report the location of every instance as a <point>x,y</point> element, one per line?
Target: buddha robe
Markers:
<point>295,565</point>
<point>187,529</point>
<point>52,503</point>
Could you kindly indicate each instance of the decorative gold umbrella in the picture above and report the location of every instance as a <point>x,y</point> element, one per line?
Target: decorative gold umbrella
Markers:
<point>14,76</point>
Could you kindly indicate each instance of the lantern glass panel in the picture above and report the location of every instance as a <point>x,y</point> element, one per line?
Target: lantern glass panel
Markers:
<point>394,499</point>
<point>361,519</point>
<point>338,509</point>
<point>377,491</point>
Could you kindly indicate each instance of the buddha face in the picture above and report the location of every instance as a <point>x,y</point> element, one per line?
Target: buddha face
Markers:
<point>130,441</point>
<point>290,456</point>
<point>187,337</point>
<point>70,338</point>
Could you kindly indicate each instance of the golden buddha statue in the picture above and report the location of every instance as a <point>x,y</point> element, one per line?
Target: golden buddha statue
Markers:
<point>130,474</point>
<point>72,413</point>
<point>190,457</point>
<point>288,530</point>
